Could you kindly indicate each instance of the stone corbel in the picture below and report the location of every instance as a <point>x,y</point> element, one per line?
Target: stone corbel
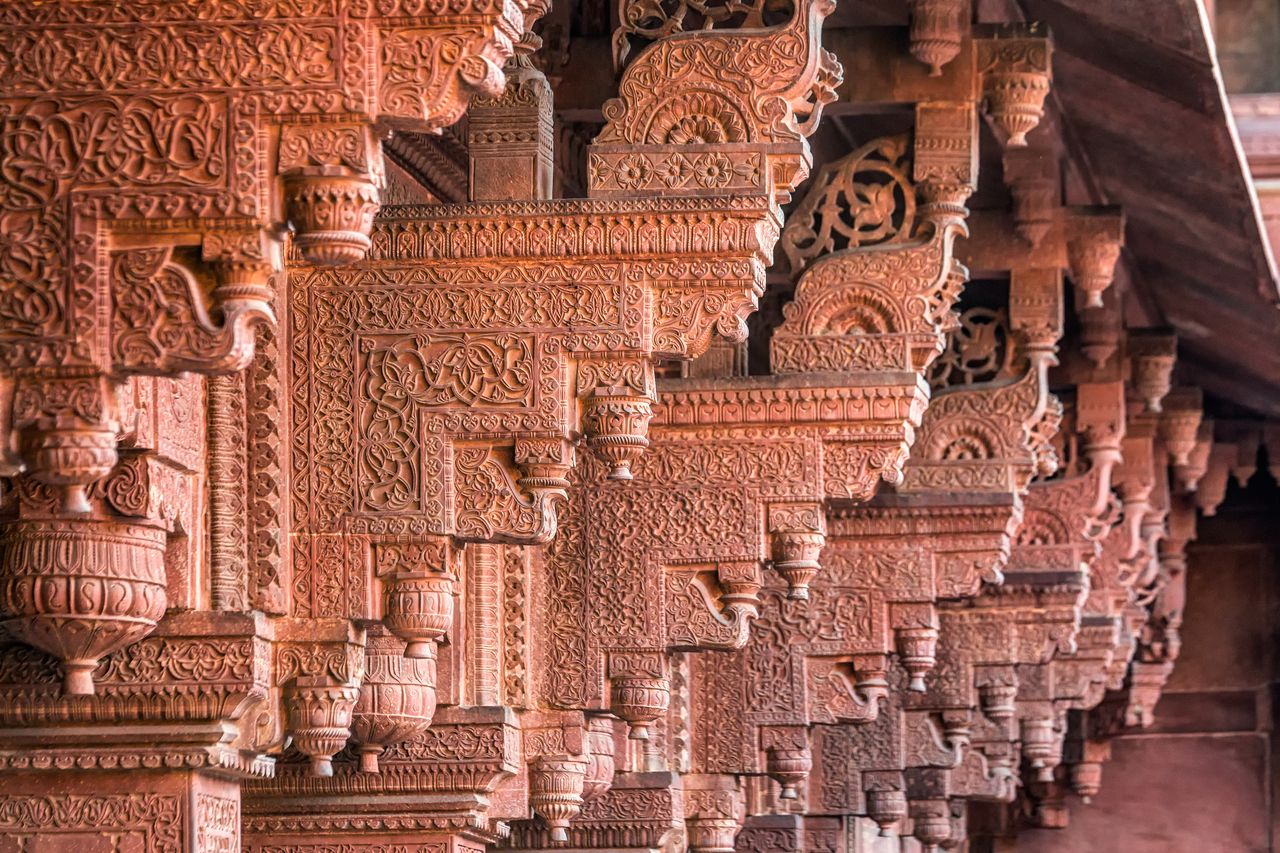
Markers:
<point>1042,739</point>
<point>798,532</point>
<point>979,778</point>
<point>320,719</point>
<point>639,689</point>
<point>997,691</point>
<point>758,123</point>
<point>1102,329</point>
<point>1086,758</point>
<point>1146,684</point>
<point>320,666</point>
<point>640,811</point>
<point>544,465</point>
<point>1135,480</point>
<point>418,589</point>
<point>714,809</point>
<point>397,697</point>
<point>930,821</point>
<point>915,631</point>
<point>1016,71</point>
<point>466,51</point>
<point>1180,419</point>
<point>244,263</point>
<point>937,740</point>
<point>1152,356</point>
<point>788,758</point>
<point>1095,237</point>
<point>557,753</point>
<point>331,173</point>
<point>1035,315</point>
<point>996,742</point>
<point>332,168</point>
<point>847,692</point>
<point>83,572</point>
<point>965,445</point>
<point>1046,609</point>
<point>886,798</point>
<point>617,405</point>
<point>1246,436</point>
<point>490,499</point>
<point>1100,420</point>
<point>602,761</point>
<point>712,614</point>
<point>1185,479</point>
<point>938,28</point>
<point>67,427</point>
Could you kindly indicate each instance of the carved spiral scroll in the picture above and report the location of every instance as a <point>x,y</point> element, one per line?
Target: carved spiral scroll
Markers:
<point>863,199</point>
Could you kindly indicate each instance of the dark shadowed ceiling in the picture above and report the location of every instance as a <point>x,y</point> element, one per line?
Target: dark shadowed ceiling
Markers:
<point>1139,104</point>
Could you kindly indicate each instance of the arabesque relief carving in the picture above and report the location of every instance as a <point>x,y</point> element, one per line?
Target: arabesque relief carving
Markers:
<point>450,381</point>
<point>387,465</point>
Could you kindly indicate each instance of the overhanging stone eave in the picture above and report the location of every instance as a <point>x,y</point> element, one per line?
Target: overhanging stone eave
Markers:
<point>1114,92</point>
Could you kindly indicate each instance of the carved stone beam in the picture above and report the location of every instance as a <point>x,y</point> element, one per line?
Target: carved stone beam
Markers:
<point>1044,607</point>
<point>1044,588</point>
<point>707,415</point>
<point>880,768</point>
<point>858,769</point>
<point>164,739</point>
<point>733,465</point>
<point>1085,241</point>
<point>1008,66</point>
<point>986,655</point>
<point>397,697</point>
